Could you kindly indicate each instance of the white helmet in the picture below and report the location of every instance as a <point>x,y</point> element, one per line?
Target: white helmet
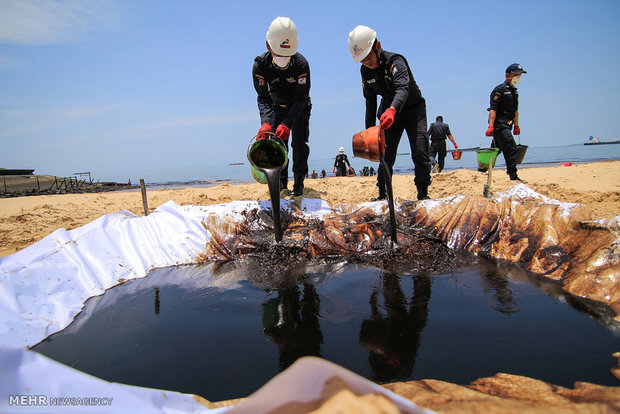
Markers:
<point>282,36</point>
<point>361,40</point>
<point>341,150</point>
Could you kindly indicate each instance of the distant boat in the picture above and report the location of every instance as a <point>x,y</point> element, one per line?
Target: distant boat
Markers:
<point>235,163</point>
<point>597,141</point>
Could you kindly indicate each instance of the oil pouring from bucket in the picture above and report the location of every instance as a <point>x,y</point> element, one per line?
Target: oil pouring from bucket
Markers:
<point>370,145</point>
<point>267,158</point>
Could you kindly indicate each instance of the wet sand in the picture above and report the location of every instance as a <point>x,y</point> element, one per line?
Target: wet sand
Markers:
<point>26,220</point>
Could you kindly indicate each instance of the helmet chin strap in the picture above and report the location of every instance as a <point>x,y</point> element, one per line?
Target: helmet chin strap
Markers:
<point>375,49</point>
<point>280,67</point>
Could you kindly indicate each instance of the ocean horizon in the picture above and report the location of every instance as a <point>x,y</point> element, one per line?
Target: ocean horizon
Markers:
<point>209,175</point>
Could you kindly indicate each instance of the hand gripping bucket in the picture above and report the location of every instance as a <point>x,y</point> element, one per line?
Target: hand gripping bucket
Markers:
<point>485,157</point>
<point>369,144</point>
<point>456,155</point>
<point>266,153</point>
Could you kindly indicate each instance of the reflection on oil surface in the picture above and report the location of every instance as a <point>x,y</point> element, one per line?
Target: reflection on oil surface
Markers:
<point>214,331</point>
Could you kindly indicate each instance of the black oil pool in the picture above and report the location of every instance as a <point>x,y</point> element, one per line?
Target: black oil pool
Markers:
<point>222,330</point>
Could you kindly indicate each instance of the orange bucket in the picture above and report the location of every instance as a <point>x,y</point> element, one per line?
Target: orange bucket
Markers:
<point>456,155</point>
<point>369,144</point>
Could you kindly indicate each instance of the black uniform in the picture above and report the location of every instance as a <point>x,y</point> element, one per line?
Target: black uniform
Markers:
<point>393,80</point>
<point>438,132</point>
<point>505,102</point>
<point>339,165</point>
<point>284,98</point>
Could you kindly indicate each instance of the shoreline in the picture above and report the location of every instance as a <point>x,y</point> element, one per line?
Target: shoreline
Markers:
<point>27,219</point>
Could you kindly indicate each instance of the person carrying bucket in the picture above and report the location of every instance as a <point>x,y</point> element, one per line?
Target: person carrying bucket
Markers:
<point>438,132</point>
<point>402,105</point>
<point>282,81</point>
<point>504,116</point>
<point>340,164</point>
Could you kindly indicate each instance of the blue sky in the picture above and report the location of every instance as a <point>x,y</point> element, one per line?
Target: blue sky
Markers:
<point>89,85</point>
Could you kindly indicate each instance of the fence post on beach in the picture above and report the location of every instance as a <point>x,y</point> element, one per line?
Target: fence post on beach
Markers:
<point>145,202</point>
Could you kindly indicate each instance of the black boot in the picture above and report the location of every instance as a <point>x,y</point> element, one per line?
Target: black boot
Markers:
<point>382,194</point>
<point>284,192</point>
<point>422,192</point>
<point>298,186</point>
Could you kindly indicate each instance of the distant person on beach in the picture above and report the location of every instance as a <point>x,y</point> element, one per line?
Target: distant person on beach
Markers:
<point>438,132</point>
<point>340,164</point>
<point>282,81</point>
<point>402,105</point>
<point>504,116</point>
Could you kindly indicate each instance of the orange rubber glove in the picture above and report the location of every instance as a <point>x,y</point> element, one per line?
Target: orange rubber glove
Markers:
<point>517,130</point>
<point>262,132</point>
<point>489,132</point>
<point>387,118</point>
<point>282,132</point>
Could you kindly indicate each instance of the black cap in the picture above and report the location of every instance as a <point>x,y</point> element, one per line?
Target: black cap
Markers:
<point>515,68</point>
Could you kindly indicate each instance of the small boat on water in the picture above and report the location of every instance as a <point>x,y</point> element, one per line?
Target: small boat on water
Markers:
<point>597,141</point>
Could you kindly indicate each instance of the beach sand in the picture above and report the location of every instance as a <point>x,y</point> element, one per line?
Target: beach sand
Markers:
<point>26,220</point>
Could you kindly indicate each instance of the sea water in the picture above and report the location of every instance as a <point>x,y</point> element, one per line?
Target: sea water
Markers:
<point>208,330</point>
<point>209,175</point>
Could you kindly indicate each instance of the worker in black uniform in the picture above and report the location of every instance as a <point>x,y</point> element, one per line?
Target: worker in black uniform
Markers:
<point>504,116</point>
<point>402,105</point>
<point>282,81</point>
<point>340,164</point>
<point>438,132</point>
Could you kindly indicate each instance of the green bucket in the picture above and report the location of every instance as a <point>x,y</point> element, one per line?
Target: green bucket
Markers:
<point>266,153</point>
<point>485,155</point>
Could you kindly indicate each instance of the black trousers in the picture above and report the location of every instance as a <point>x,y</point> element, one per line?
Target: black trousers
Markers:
<point>503,139</point>
<point>414,122</point>
<point>300,132</point>
<point>438,148</point>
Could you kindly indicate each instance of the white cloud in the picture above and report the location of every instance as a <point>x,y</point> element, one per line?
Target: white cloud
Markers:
<point>42,22</point>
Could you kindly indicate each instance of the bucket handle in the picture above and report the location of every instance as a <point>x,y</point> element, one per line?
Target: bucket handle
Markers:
<point>481,141</point>
<point>271,135</point>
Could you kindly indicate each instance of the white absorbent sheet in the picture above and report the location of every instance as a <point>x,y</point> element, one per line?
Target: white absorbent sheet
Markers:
<point>44,286</point>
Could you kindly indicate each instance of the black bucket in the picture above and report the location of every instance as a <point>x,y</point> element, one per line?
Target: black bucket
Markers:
<point>521,150</point>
